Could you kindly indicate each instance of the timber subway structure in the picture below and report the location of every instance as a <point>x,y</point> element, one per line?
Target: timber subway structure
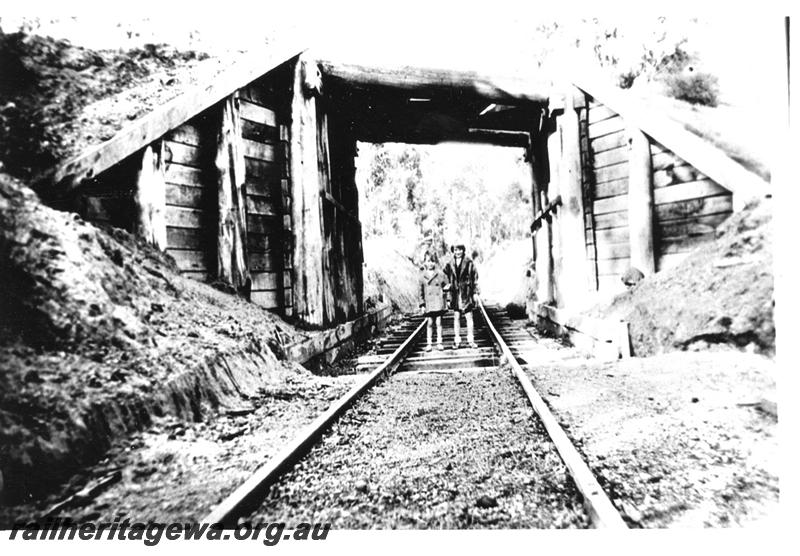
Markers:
<point>251,180</point>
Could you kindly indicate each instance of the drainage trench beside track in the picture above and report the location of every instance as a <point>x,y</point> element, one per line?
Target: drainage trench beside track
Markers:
<point>448,441</point>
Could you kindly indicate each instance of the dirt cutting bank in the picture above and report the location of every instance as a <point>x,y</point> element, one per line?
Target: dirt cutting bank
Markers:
<point>99,333</point>
<point>390,275</point>
<point>722,294</point>
<point>57,99</point>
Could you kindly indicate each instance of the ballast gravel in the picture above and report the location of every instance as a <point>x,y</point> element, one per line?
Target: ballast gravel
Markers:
<point>447,450</point>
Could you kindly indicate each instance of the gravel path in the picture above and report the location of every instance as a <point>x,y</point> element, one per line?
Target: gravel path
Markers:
<point>458,449</point>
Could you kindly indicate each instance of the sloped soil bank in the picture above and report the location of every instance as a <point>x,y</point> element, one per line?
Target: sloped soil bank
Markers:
<point>721,294</point>
<point>389,275</point>
<point>177,470</point>
<point>99,334</point>
<point>58,99</point>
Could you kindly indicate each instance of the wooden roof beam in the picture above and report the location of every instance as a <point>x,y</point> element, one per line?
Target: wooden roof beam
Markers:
<point>423,82</point>
<point>472,135</point>
<point>495,108</point>
<point>489,108</point>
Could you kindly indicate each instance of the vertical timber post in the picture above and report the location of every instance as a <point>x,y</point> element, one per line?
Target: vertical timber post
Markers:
<point>306,210</point>
<point>590,241</point>
<point>534,195</point>
<point>232,212</point>
<point>640,201</point>
<point>572,229</point>
<point>327,217</point>
<point>536,185</point>
<point>545,264</point>
<point>151,197</point>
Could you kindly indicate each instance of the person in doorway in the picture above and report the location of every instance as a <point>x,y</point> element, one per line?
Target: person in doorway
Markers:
<point>463,281</point>
<point>431,289</point>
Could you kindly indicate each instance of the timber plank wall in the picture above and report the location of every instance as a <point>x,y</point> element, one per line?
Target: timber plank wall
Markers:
<point>688,206</point>
<point>187,159</point>
<point>191,196</point>
<point>216,193</point>
<point>265,115</point>
<point>342,238</point>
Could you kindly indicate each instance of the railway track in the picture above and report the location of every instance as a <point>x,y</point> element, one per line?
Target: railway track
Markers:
<point>453,438</point>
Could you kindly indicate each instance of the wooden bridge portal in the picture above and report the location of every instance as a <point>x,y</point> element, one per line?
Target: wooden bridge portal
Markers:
<point>251,181</point>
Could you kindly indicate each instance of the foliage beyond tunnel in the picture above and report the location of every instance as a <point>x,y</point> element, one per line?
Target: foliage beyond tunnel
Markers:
<point>433,197</point>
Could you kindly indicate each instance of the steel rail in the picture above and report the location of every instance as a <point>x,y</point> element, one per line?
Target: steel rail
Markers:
<point>601,511</point>
<point>250,494</point>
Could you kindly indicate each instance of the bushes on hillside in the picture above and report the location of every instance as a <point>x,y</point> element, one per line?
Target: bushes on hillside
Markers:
<point>694,87</point>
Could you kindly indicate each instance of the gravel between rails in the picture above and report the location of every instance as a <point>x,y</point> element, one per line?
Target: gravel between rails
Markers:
<point>452,450</point>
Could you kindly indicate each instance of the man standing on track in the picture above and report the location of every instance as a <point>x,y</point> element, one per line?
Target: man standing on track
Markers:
<point>463,283</point>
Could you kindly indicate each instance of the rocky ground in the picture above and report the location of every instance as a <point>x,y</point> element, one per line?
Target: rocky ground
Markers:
<point>684,439</point>
<point>177,470</point>
<point>722,294</point>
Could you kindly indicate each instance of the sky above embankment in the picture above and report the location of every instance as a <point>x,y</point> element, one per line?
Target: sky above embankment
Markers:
<point>741,48</point>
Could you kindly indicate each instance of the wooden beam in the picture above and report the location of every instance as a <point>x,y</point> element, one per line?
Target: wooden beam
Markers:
<point>606,332</point>
<point>572,279</point>
<point>352,217</point>
<point>151,197</point>
<point>535,166</point>
<point>438,82</point>
<point>544,262</point>
<point>546,240</point>
<point>498,137</point>
<point>306,202</point>
<point>530,157</point>
<point>327,218</point>
<point>640,202</point>
<point>701,154</point>
<point>232,210</point>
<point>688,191</point>
<point>163,119</point>
<point>305,350</point>
<point>546,213</point>
<point>403,133</point>
<point>588,193</point>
